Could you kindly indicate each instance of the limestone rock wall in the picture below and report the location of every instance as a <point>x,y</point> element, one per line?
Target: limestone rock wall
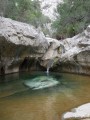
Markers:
<point>76,58</point>
<point>22,47</point>
<point>17,42</point>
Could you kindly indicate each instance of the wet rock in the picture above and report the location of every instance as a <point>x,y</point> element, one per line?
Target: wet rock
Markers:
<point>41,82</point>
<point>56,48</point>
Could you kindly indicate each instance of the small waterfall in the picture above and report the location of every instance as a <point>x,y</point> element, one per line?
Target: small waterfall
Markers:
<point>47,70</point>
<point>49,65</point>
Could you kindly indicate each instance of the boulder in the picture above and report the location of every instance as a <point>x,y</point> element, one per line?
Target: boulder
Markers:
<point>53,52</point>
<point>80,113</point>
<point>23,46</point>
<point>73,53</point>
<point>19,42</point>
<point>21,34</point>
<point>76,58</point>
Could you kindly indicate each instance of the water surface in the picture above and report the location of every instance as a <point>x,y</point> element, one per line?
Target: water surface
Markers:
<point>20,102</point>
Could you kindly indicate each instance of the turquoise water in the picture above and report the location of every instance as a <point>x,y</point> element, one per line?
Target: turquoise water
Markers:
<point>36,96</point>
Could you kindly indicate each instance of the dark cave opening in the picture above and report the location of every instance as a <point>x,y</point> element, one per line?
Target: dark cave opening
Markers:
<point>2,71</point>
<point>30,64</point>
<point>24,65</point>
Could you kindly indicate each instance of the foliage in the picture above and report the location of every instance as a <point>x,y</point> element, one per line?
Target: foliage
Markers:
<point>24,10</point>
<point>73,17</point>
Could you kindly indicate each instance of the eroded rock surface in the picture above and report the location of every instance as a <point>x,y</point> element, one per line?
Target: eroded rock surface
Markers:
<point>53,53</point>
<point>22,46</point>
<point>80,113</point>
<point>76,58</point>
<point>19,42</point>
<point>71,55</point>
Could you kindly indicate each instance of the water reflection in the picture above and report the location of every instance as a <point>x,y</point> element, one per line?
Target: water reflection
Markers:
<point>19,102</point>
<point>16,83</point>
<point>11,84</point>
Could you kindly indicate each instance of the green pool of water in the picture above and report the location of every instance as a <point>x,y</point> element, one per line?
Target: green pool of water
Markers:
<point>36,96</point>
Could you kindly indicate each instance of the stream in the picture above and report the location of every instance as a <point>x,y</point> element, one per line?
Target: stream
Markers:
<point>38,96</point>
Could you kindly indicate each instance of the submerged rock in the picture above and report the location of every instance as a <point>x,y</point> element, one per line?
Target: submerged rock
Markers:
<point>41,82</point>
<point>80,113</point>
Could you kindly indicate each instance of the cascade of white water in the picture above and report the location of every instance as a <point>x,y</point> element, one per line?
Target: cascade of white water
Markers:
<point>49,65</point>
<point>47,71</point>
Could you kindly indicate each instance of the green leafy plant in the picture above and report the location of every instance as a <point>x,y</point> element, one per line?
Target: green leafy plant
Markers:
<point>73,17</point>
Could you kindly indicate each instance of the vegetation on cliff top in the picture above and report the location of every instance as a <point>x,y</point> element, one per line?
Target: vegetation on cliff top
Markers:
<point>23,10</point>
<point>73,17</point>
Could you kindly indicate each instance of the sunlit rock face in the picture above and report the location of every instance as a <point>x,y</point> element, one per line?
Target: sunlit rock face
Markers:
<point>18,43</point>
<point>21,33</point>
<point>48,7</point>
<point>81,113</point>
<point>76,58</point>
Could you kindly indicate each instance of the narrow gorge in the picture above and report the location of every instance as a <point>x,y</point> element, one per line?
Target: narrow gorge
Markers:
<point>24,48</point>
<point>44,60</point>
